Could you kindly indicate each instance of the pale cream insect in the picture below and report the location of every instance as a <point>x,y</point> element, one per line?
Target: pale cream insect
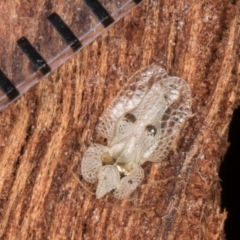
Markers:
<point>140,125</point>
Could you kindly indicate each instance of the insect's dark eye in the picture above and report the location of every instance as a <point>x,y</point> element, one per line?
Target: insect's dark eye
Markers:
<point>151,130</point>
<point>125,124</point>
<point>130,118</point>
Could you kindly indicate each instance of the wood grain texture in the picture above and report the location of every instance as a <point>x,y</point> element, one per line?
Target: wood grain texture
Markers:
<point>45,133</point>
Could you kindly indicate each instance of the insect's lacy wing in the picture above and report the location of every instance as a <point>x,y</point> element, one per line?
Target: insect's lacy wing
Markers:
<point>91,162</point>
<point>108,179</point>
<point>128,98</point>
<point>172,119</point>
<point>130,182</point>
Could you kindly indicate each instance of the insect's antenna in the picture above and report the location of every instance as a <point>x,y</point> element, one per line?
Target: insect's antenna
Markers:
<point>90,192</point>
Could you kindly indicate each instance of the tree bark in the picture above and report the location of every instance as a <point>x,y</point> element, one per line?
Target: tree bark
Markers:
<point>44,134</point>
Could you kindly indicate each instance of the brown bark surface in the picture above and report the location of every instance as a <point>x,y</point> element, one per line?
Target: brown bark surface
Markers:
<point>44,134</point>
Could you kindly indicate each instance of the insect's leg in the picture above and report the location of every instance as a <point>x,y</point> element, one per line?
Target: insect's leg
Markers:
<point>130,182</point>
<point>108,179</point>
<point>91,162</point>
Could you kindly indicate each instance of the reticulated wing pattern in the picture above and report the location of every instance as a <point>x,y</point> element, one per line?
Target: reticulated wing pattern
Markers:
<point>172,118</point>
<point>128,98</point>
<point>141,124</point>
<point>91,162</point>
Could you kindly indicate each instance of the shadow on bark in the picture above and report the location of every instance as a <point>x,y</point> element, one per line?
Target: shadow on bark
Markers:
<point>230,175</point>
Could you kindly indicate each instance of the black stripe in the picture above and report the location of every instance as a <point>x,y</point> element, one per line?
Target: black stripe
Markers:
<point>8,87</point>
<point>100,12</point>
<point>35,58</point>
<point>136,1</point>
<point>64,31</point>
